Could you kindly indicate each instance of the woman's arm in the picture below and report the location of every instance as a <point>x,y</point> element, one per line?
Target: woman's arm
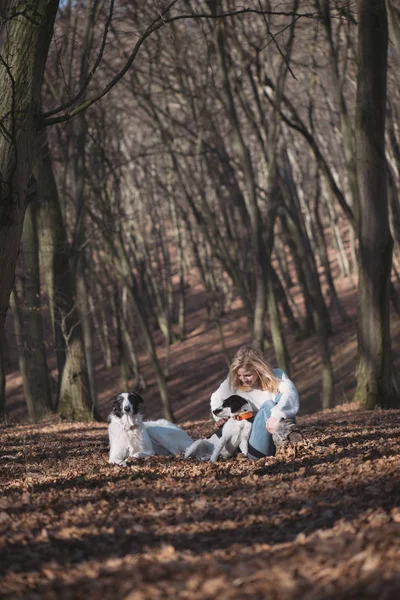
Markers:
<point>287,400</point>
<point>217,398</point>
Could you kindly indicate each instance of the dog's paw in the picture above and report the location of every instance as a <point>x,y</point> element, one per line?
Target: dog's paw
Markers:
<point>117,463</point>
<point>139,455</point>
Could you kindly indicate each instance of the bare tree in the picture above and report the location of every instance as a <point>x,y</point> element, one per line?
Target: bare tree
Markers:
<point>25,37</point>
<point>26,305</point>
<point>60,284</point>
<point>375,378</point>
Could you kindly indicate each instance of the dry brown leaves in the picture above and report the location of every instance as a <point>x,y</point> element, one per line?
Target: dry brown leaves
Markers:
<point>320,520</point>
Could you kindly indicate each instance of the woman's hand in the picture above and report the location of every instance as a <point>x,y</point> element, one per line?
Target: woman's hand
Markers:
<point>272,424</point>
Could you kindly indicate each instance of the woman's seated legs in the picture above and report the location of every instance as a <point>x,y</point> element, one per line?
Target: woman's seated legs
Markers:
<point>261,443</point>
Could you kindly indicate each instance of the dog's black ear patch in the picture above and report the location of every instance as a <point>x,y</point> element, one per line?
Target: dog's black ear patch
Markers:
<point>117,406</point>
<point>234,402</point>
<point>135,399</point>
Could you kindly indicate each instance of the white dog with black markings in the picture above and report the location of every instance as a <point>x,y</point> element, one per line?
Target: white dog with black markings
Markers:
<point>234,434</point>
<point>132,437</point>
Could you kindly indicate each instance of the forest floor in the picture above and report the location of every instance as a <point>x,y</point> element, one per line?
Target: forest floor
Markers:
<point>319,521</point>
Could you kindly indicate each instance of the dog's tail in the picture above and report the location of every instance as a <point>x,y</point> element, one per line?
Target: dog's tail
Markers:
<point>201,449</point>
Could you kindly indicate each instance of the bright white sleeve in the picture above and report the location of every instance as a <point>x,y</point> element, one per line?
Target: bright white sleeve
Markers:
<point>217,398</point>
<point>287,400</point>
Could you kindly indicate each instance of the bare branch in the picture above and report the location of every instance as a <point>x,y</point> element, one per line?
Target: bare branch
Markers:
<point>156,24</point>
<point>80,93</point>
<point>159,22</point>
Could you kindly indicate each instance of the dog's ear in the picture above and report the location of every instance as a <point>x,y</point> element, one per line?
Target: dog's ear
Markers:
<point>135,399</point>
<point>117,406</point>
<point>235,403</point>
<point>227,402</point>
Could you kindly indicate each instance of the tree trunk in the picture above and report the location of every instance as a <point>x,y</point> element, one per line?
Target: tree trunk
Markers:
<point>102,291</point>
<point>278,339</point>
<point>28,321</point>
<point>338,81</point>
<point>54,251</point>
<point>152,353</point>
<point>118,248</point>
<point>375,384</point>
<point>122,358</point>
<point>139,382</point>
<point>320,314</point>
<point>3,409</point>
<point>74,389</point>
<point>324,258</point>
<point>60,286</point>
<point>100,329</point>
<point>87,329</point>
<point>181,299</point>
<point>283,262</point>
<point>259,255</point>
<point>343,261</point>
<point>292,315</point>
<point>24,44</point>
<point>393,13</point>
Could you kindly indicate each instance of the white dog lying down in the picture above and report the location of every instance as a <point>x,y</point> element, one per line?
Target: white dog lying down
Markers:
<point>234,434</point>
<point>130,436</point>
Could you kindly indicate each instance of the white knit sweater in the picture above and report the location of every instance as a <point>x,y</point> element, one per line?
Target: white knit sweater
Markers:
<point>287,398</point>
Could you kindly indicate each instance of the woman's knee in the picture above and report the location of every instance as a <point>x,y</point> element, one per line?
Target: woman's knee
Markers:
<point>265,409</point>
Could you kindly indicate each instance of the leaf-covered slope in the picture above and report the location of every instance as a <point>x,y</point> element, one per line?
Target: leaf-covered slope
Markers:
<point>318,521</point>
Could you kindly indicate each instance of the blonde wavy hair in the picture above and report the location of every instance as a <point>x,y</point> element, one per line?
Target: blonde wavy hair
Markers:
<point>250,358</point>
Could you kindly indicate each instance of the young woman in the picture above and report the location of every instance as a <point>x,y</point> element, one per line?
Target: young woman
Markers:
<point>270,392</point>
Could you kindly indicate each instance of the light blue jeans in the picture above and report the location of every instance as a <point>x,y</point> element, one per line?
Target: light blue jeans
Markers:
<point>261,443</point>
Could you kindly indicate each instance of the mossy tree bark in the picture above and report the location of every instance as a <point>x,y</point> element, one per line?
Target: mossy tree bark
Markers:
<point>25,35</point>
<point>74,399</point>
<point>375,383</point>
<point>28,320</point>
<point>54,249</point>
<point>3,408</point>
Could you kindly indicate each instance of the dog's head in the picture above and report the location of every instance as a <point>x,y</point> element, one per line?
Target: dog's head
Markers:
<point>231,406</point>
<point>126,403</point>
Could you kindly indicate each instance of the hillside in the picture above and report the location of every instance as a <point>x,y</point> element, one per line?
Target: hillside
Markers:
<point>198,365</point>
<point>319,521</point>
<point>322,522</point>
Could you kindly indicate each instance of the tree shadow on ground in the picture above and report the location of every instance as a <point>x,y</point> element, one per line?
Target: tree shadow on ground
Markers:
<point>324,510</point>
